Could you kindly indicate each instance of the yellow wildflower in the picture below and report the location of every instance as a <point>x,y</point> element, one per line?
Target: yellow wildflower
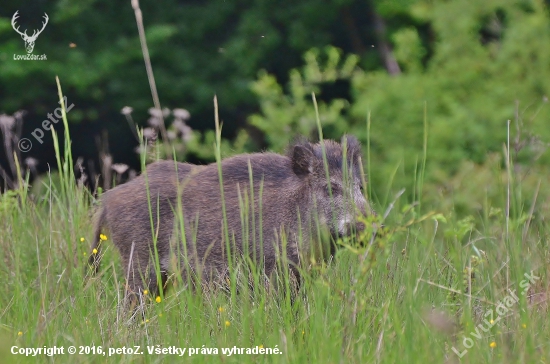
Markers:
<point>227,323</point>
<point>20,333</point>
<point>524,326</point>
<point>102,237</point>
<point>145,292</point>
<point>221,309</point>
<point>82,240</point>
<point>158,299</point>
<point>94,251</point>
<point>493,345</point>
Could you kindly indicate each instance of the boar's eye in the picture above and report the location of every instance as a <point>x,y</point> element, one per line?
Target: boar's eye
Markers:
<point>335,189</point>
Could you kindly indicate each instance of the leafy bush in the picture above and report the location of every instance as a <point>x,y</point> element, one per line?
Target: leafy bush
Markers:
<point>487,64</point>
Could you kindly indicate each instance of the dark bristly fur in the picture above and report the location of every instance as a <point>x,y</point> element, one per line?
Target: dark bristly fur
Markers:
<point>295,198</point>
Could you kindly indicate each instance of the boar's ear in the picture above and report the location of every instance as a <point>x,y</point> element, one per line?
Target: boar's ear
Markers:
<point>353,146</point>
<point>302,159</point>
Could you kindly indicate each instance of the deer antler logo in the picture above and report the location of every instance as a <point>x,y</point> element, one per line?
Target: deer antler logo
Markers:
<point>29,40</point>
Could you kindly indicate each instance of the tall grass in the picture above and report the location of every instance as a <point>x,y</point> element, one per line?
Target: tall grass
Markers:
<point>409,296</point>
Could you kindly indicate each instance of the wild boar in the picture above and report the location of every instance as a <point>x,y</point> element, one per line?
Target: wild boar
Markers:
<point>271,205</point>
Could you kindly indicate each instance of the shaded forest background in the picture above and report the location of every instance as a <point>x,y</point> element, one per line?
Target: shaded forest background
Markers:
<point>390,72</point>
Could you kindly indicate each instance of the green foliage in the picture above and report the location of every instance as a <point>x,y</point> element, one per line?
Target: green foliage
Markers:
<point>471,85</point>
<point>198,50</point>
<point>283,116</point>
<point>486,64</point>
<point>9,202</point>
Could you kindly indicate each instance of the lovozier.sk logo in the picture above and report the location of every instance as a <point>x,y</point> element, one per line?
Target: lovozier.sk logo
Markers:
<point>29,40</point>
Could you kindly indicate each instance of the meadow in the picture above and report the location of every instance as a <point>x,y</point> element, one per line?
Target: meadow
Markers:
<point>436,286</point>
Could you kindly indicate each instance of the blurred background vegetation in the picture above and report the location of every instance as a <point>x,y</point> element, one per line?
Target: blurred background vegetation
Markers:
<point>404,76</point>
